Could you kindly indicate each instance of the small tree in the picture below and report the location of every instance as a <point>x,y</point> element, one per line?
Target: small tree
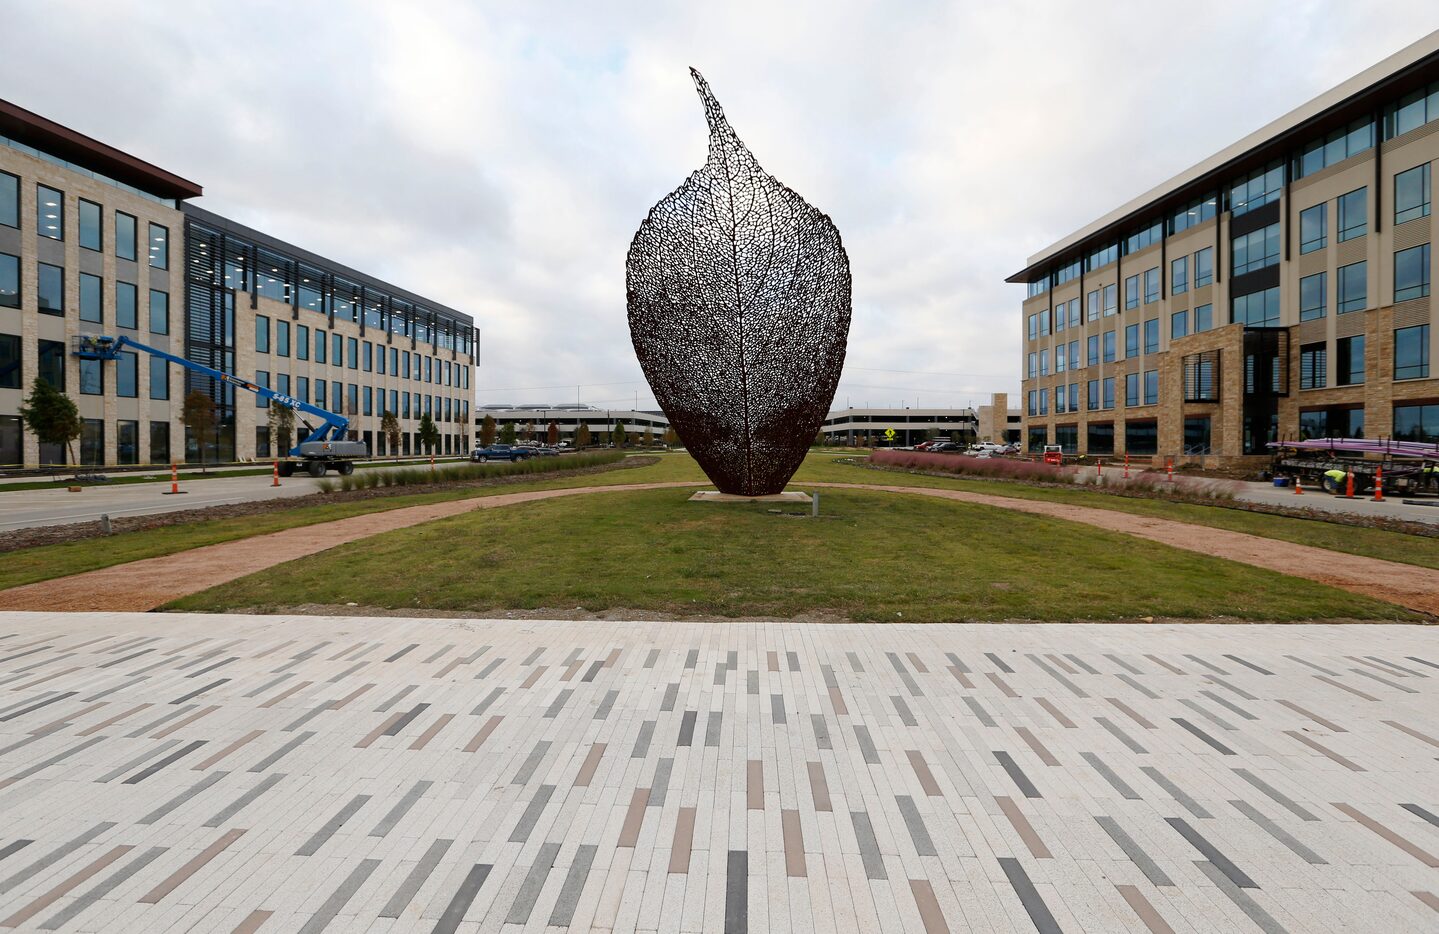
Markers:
<point>818,440</point>
<point>582,437</point>
<point>529,431</point>
<point>487,431</point>
<point>649,437</point>
<point>282,428</point>
<point>507,433</point>
<point>429,434</point>
<point>52,416</point>
<point>671,437</point>
<point>552,434</point>
<point>618,435</point>
<point>200,417</point>
<point>390,428</point>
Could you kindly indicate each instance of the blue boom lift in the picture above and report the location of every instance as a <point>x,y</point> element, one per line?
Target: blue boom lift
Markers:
<point>324,448</point>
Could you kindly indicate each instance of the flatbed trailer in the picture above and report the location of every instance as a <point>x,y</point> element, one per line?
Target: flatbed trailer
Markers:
<point>1408,467</point>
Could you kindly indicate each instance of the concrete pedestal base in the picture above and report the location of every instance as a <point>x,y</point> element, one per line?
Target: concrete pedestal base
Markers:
<point>715,496</point>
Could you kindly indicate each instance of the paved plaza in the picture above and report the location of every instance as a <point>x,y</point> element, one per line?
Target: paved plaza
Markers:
<point>249,773</point>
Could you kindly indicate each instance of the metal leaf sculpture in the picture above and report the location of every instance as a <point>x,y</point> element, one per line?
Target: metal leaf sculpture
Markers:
<point>739,308</point>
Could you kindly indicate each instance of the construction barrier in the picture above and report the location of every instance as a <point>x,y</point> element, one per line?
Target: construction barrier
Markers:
<point>174,480</point>
<point>1169,469</point>
<point>276,480</point>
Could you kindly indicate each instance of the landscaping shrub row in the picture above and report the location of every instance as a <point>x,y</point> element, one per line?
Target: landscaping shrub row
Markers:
<point>459,473</point>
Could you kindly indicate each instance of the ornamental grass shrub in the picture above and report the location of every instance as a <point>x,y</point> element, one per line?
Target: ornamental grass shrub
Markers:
<point>460,473</point>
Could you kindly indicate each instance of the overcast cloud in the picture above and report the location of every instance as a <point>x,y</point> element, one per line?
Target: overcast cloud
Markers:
<point>497,157</point>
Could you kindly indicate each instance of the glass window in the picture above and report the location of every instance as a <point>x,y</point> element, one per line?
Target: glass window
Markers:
<point>321,343</point>
<point>9,200</point>
<point>282,338</point>
<point>282,383</point>
<point>262,334</point>
<point>1353,291</point>
<point>1258,309</point>
<point>92,378</point>
<point>1074,361</point>
<point>320,393</point>
<point>1178,325</point>
<point>1131,292</point>
<point>1339,145</point>
<point>1312,298</point>
<point>262,379</point>
<point>302,388</point>
<point>127,374</point>
<point>1411,194</point>
<point>369,403</point>
<point>92,438</point>
<point>9,281</point>
<point>1416,423</point>
<point>1314,228</point>
<point>1151,285</point>
<point>1091,304</point>
<point>1179,276</point>
<point>1059,403</point>
<point>1033,365</point>
<point>395,359</point>
<point>1151,387</point>
<point>1313,366</point>
<point>1108,384</point>
<point>1093,349</point>
<point>9,363</point>
<point>353,398</point>
<point>1349,361</point>
<point>91,305</point>
<point>1407,115</point>
<point>159,378</point>
<point>1131,389</point>
<point>1257,190</point>
<point>1151,336</point>
<point>159,312</point>
<point>352,355</point>
<point>1108,346</point>
<point>49,213</point>
<point>1256,249</point>
<point>1044,363</point>
<point>302,342</point>
<point>370,350</point>
<point>124,235</point>
<point>159,247</point>
<point>1411,352</point>
<point>1111,300</point>
<point>52,363</point>
<point>1042,319</point>
<point>1131,340</point>
<point>1059,358</point>
<point>1092,394</point>
<point>380,350</point>
<point>337,350</point>
<point>1353,214</point>
<point>159,442</point>
<point>125,311</point>
<point>1411,273</point>
<point>1203,266</point>
<point>89,225</point>
<point>50,289</point>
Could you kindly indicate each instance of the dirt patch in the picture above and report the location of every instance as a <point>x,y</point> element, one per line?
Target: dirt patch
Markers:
<point>79,531</point>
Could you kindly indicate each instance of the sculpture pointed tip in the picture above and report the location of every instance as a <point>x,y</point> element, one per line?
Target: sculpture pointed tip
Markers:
<point>714,114</point>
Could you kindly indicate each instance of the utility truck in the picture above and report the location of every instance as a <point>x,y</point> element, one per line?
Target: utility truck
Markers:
<point>326,447</point>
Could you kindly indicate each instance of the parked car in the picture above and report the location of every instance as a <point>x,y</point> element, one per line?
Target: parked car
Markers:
<point>500,452</point>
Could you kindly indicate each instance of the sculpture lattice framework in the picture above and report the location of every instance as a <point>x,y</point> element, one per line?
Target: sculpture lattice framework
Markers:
<point>739,309</point>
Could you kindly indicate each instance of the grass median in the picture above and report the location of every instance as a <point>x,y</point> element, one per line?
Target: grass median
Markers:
<point>871,557</point>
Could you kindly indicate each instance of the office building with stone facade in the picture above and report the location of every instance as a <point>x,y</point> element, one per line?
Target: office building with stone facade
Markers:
<point>1279,289</point>
<point>94,240</point>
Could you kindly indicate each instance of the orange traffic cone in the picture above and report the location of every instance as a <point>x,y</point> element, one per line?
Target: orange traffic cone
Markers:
<point>276,480</point>
<point>1298,486</point>
<point>1349,485</point>
<point>1379,485</point>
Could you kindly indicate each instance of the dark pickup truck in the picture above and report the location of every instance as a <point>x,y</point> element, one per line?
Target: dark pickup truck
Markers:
<point>500,452</point>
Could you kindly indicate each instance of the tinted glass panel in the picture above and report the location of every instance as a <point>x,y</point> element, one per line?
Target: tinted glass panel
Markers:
<point>89,225</point>
<point>1313,228</point>
<point>50,289</point>
<point>124,235</point>
<point>159,378</point>
<point>49,213</point>
<point>159,247</point>
<point>9,281</point>
<point>1411,352</point>
<point>9,363</point>
<point>90,303</point>
<point>127,374</point>
<point>125,313</point>
<point>1411,273</point>
<point>1353,291</point>
<point>159,312</point>
<point>52,363</point>
<point>9,200</point>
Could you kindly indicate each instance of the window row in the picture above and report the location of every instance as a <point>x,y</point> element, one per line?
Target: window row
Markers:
<point>355,354</point>
<point>50,296</point>
<point>353,399</point>
<point>50,222</point>
<point>50,367</point>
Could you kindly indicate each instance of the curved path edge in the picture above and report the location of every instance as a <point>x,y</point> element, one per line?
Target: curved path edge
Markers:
<point>153,582</point>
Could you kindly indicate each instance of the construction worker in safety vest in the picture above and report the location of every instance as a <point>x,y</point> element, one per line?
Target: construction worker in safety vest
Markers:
<point>1334,480</point>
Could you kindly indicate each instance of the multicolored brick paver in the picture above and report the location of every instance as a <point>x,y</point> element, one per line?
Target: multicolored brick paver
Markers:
<point>248,773</point>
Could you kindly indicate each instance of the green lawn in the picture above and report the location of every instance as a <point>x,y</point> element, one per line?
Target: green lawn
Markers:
<point>161,473</point>
<point>1355,540</point>
<point>872,557</point>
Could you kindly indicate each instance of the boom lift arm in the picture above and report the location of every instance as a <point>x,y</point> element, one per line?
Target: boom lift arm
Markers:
<point>326,442</point>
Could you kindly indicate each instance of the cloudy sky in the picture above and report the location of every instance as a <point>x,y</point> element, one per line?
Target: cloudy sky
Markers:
<point>498,156</point>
